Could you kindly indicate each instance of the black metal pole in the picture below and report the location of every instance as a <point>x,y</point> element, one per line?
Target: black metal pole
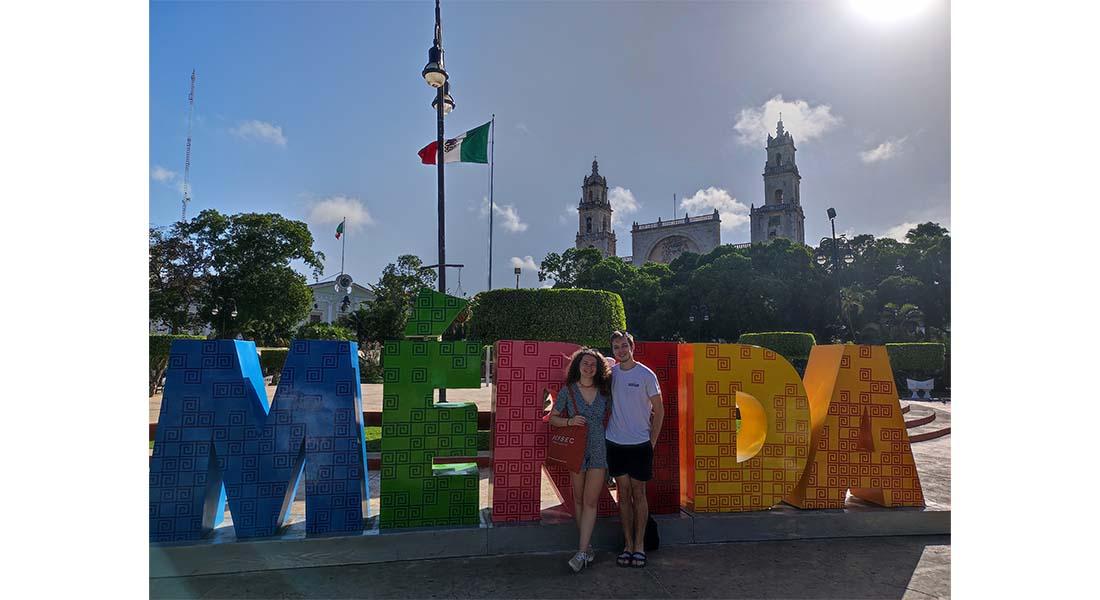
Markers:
<point>492,141</point>
<point>439,167</point>
<point>441,205</point>
<point>836,274</point>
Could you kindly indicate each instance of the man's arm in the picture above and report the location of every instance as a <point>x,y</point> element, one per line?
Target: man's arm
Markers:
<point>658,418</point>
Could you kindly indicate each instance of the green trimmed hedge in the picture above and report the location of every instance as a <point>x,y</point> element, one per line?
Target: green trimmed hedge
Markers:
<point>791,345</point>
<point>919,360</point>
<point>585,317</point>
<point>159,347</point>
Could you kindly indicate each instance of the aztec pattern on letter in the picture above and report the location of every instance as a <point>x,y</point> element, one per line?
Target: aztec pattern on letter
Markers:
<point>663,492</point>
<point>215,426</point>
<point>415,492</point>
<point>526,373</point>
<point>433,313</point>
<point>722,473</point>
<point>860,442</point>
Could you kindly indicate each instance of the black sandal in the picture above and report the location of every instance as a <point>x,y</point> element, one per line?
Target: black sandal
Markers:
<point>637,560</point>
<point>625,559</point>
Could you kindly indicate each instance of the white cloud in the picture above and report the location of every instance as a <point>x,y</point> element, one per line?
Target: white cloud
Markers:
<point>622,202</point>
<point>261,131</point>
<point>805,122</point>
<point>734,213</point>
<point>898,231</point>
<point>570,214</point>
<point>163,175</point>
<point>522,127</point>
<point>333,209</point>
<point>527,262</point>
<point>884,151</point>
<point>509,216</point>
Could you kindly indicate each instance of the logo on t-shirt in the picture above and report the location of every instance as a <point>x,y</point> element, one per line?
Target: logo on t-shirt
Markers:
<point>632,384</point>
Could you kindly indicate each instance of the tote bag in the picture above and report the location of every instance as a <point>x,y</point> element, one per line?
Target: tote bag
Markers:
<point>567,444</point>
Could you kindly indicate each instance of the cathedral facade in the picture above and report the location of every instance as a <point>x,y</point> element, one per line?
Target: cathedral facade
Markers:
<point>780,216</point>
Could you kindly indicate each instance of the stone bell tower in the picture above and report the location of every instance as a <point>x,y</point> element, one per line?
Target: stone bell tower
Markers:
<point>594,211</point>
<point>781,215</point>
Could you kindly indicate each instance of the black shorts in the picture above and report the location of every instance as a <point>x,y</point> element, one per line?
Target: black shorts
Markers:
<point>635,460</point>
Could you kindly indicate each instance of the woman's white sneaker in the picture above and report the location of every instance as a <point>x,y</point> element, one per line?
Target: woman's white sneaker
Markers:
<point>579,561</point>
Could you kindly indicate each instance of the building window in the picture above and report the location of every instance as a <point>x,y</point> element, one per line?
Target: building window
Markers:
<point>779,196</point>
<point>605,224</point>
<point>314,318</point>
<point>588,224</point>
<point>778,158</point>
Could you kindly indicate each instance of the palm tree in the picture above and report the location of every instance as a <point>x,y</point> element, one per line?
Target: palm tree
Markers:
<point>901,323</point>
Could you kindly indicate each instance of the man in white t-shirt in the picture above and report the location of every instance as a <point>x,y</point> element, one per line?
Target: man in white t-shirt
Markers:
<point>637,412</point>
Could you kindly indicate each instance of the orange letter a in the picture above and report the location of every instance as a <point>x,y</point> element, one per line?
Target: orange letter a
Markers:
<point>859,441</point>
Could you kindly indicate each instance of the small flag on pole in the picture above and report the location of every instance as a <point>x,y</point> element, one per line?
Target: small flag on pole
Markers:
<point>340,229</point>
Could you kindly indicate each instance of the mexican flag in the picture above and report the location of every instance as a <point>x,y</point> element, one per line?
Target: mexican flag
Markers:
<point>470,147</point>
<point>340,229</point>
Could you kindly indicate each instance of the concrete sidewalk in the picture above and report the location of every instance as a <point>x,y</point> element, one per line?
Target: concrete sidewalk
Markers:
<point>889,567</point>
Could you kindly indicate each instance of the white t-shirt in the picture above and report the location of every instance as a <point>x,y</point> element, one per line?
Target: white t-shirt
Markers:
<point>631,409</point>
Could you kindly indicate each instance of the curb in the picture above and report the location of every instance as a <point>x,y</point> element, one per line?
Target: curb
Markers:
<point>222,554</point>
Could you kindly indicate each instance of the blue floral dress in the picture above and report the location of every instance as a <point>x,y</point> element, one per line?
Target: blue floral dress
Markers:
<point>595,451</point>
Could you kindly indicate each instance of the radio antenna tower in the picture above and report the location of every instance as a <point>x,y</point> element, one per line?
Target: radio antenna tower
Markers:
<point>187,154</point>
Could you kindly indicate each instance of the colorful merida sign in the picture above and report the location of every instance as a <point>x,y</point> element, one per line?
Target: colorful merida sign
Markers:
<point>805,441</point>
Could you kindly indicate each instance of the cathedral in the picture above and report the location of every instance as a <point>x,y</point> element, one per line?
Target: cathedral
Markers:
<point>781,215</point>
<point>662,241</point>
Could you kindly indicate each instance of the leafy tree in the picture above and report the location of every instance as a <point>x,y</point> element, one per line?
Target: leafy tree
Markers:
<point>899,290</point>
<point>565,268</point>
<point>324,331</point>
<point>903,323</point>
<point>385,317</point>
<point>244,257</point>
<point>178,277</point>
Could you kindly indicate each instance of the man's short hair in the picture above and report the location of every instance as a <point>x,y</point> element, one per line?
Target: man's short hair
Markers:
<point>622,334</point>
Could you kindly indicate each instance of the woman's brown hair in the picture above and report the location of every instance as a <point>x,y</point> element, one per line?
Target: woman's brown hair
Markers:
<point>602,379</point>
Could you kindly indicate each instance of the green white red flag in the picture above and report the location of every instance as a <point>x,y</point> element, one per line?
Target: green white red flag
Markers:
<point>470,147</point>
<point>340,229</point>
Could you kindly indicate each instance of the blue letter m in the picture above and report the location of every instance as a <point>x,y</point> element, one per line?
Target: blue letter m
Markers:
<point>217,438</point>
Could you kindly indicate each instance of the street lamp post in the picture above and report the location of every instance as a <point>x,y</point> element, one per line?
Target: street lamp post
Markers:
<point>517,277</point>
<point>702,313</point>
<point>435,75</point>
<point>837,263</point>
<point>219,301</point>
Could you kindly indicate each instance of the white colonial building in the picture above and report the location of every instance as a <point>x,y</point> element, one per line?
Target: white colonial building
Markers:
<point>331,302</point>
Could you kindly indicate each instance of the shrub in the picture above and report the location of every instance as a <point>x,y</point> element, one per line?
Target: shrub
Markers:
<point>159,347</point>
<point>369,371</point>
<point>271,362</point>
<point>324,331</point>
<point>917,360</point>
<point>792,345</point>
<point>585,317</point>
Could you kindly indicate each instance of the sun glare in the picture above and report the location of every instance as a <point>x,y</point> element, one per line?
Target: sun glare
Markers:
<point>888,11</point>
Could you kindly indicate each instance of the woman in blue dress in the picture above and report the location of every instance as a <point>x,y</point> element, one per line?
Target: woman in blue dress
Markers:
<point>588,383</point>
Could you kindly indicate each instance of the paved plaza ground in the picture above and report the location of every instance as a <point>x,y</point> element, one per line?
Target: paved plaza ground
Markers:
<point>372,398</point>
<point>889,567</point>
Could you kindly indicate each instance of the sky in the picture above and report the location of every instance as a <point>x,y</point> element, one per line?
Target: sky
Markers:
<point>316,111</point>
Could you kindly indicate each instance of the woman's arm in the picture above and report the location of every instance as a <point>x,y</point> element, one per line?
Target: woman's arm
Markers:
<point>559,421</point>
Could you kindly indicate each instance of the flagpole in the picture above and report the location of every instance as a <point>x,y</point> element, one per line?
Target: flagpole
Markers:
<point>343,243</point>
<point>492,142</point>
